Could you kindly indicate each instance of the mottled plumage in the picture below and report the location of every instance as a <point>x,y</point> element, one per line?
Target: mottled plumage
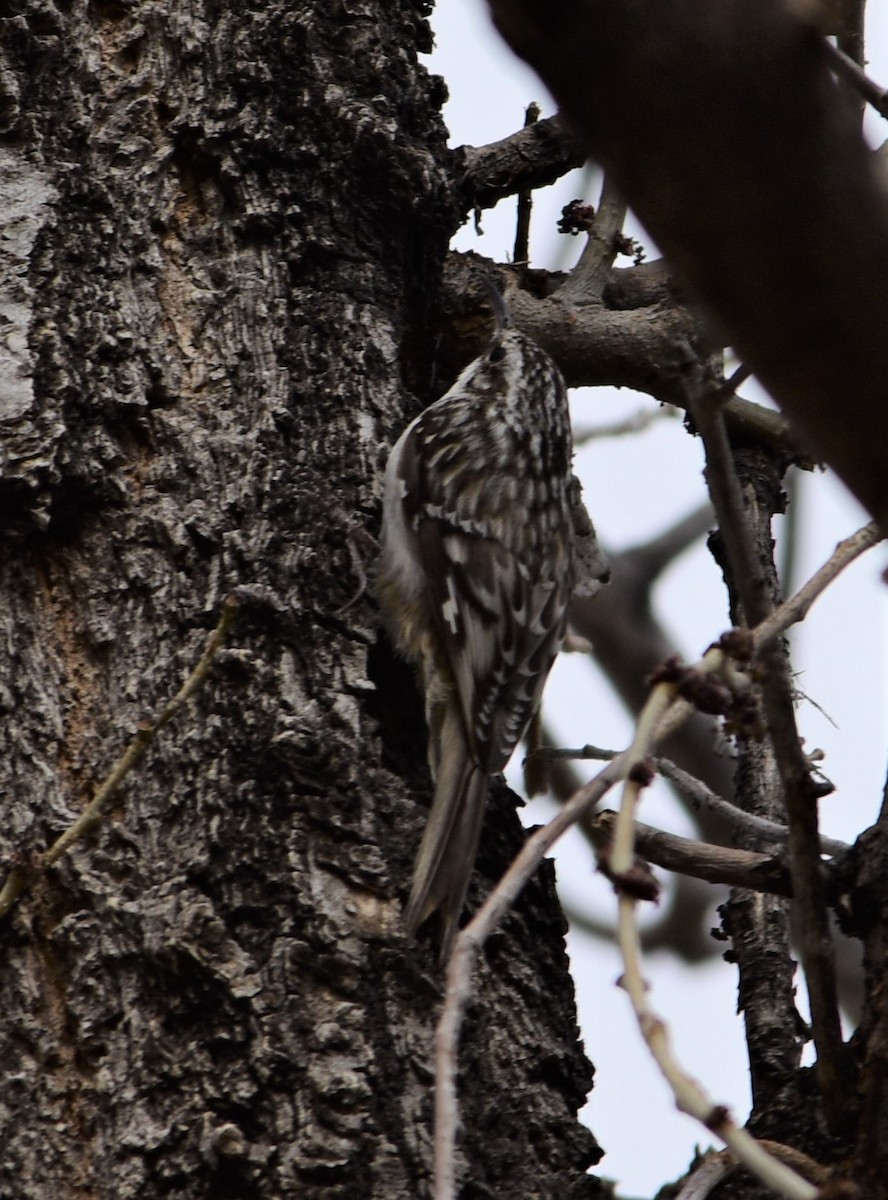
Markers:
<point>474,579</point>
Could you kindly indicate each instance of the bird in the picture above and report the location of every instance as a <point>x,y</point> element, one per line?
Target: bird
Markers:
<point>473,579</point>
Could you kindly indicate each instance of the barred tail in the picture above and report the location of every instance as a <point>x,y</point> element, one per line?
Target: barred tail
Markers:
<point>449,844</point>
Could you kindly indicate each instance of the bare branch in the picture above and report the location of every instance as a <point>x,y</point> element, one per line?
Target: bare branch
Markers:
<point>700,796</point>
<point>664,712</point>
<point>850,71</point>
<point>706,1176</point>
<point>636,423</point>
<point>757,423</point>
<point>640,286</point>
<point>799,605</point>
<point>739,376</point>
<point>759,827</point>
<point>587,280</point>
<point>641,82</point>
<point>630,341</point>
<point>521,252</point>
<point>596,346</point>
<point>689,1096</point>
<point>701,860</point>
<point>533,157</point>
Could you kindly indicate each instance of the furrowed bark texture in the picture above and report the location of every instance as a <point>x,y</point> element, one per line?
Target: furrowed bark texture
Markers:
<point>221,229</point>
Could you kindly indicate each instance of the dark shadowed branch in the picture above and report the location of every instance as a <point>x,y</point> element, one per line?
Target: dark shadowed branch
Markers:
<point>641,83</point>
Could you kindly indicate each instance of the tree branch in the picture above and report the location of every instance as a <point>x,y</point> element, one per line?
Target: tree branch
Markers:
<point>521,253</point>
<point>853,74</point>
<point>700,796</point>
<point>643,347</point>
<point>533,157</point>
<point>758,827</point>
<point>664,712</point>
<point>780,227</point>
<point>797,607</point>
<point>741,519</point>
<point>701,860</point>
<point>636,423</point>
<point>683,924</point>
<point>587,280</point>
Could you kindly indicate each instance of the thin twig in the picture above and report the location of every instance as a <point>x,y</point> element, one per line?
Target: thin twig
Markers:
<point>700,796</point>
<point>797,607</point>
<point>525,201</point>
<point>706,1176</point>
<point>635,423</point>
<point>462,961</point>
<point>469,942</point>
<point>556,753</point>
<point>789,542</point>
<point>873,93</point>
<point>715,1167</point>
<point>740,375</point>
<point>660,700</point>
<point>701,860</point>
<point>18,879</point>
<point>689,1096</point>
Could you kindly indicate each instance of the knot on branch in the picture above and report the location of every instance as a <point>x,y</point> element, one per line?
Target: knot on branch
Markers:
<point>724,692</point>
<point>576,217</point>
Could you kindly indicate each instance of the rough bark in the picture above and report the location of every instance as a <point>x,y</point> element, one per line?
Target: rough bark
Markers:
<point>534,157</point>
<point>787,1106</point>
<point>223,231</point>
<point>864,904</point>
<point>758,925</point>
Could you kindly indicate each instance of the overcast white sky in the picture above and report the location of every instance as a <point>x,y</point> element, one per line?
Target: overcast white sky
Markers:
<point>635,487</point>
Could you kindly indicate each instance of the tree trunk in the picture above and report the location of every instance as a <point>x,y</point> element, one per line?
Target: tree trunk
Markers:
<point>222,235</point>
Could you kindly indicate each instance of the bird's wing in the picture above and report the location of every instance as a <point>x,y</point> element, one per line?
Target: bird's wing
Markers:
<point>499,598</point>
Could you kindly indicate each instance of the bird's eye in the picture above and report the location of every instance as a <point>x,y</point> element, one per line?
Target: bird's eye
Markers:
<point>497,354</point>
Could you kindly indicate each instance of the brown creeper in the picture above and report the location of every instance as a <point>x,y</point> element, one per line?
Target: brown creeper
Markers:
<point>474,579</point>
